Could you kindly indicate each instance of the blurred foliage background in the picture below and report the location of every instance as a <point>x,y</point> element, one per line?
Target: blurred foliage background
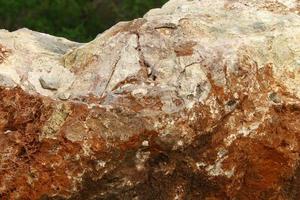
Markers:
<point>78,20</point>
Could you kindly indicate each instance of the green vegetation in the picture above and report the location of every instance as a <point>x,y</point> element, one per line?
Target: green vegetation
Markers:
<point>79,20</point>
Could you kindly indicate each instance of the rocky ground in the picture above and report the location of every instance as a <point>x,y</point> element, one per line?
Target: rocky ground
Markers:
<point>197,100</point>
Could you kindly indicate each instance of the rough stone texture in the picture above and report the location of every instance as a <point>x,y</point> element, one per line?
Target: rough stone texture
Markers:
<point>197,100</point>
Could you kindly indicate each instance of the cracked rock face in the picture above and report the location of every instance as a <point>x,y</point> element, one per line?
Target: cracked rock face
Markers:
<point>197,100</point>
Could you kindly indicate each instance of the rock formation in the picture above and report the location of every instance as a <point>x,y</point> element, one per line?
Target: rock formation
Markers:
<point>197,100</point>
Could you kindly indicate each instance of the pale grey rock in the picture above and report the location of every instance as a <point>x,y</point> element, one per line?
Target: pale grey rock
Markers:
<point>206,39</point>
<point>6,81</point>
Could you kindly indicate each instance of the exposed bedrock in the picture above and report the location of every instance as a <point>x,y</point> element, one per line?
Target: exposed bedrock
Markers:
<point>196,100</point>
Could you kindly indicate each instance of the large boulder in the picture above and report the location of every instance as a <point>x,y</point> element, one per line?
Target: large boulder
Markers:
<point>197,100</point>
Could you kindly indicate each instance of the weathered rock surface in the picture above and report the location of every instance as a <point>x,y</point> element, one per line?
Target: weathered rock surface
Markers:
<point>197,100</point>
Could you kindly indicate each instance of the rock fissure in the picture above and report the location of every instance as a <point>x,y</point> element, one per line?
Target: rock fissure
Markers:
<point>111,75</point>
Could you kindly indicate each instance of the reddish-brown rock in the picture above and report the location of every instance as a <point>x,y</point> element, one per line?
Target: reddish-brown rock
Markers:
<point>197,100</point>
